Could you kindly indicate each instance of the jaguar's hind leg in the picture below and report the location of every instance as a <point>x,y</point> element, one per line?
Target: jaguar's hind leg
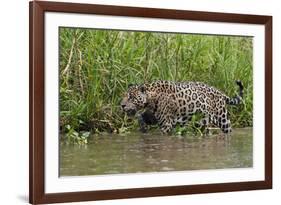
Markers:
<point>223,122</point>
<point>226,126</point>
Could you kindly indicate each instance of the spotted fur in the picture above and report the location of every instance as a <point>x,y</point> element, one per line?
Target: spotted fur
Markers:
<point>168,103</point>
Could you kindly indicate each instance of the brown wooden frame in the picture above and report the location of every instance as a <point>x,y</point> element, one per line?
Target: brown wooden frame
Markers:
<point>37,95</point>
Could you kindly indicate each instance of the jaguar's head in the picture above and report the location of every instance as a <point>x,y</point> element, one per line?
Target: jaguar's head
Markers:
<point>134,99</point>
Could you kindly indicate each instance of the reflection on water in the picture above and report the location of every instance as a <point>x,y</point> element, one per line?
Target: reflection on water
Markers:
<point>137,152</point>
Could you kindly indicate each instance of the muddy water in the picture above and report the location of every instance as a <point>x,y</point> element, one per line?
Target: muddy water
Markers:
<point>136,152</point>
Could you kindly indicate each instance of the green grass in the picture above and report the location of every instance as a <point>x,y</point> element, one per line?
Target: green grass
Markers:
<point>96,67</point>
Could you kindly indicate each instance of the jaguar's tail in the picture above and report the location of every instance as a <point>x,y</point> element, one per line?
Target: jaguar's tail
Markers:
<point>237,99</point>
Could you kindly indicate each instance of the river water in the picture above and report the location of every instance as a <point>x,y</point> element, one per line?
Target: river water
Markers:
<point>153,152</point>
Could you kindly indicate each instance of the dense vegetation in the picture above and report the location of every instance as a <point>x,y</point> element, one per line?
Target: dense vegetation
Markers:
<point>96,67</point>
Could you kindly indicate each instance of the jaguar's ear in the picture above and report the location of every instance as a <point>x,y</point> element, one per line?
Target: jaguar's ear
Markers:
<point>142,88</point>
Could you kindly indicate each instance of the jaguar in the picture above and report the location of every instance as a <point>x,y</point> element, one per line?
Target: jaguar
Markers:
<point>168,103</point>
